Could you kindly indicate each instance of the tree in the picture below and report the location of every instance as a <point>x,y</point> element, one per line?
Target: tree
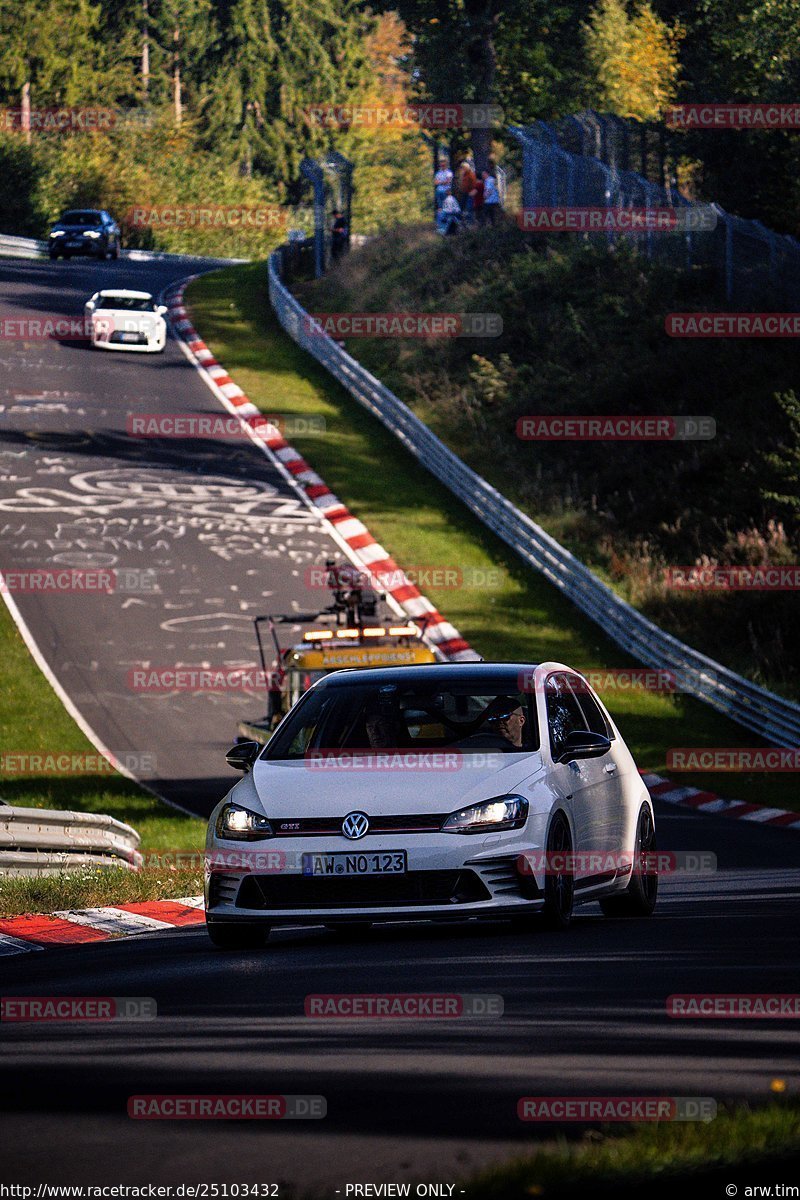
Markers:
<point>634,59</point>
<point>455,53</point>
<point>52,53</point>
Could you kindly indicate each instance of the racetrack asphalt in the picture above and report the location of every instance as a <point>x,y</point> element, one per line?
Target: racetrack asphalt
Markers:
<point>584,1011</point>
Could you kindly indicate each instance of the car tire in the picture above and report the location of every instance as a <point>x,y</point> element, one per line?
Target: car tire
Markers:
<point>232,936</point>
<point>115,252</point>
<point>53,255</point>
<point>639,897</point>
<point>559,887</point>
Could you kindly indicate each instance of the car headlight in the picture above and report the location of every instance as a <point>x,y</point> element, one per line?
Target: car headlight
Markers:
<point>92,233</point>
<point>57,233</point>
<point>241,825</point>
<point>503,812</point>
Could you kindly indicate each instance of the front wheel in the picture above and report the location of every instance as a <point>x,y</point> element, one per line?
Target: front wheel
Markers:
<point>639,897</point>
<point>231,936</point>
<point>559,882</point>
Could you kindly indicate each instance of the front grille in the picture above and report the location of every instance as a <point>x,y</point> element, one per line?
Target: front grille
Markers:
<point>222,888</point>
<point>320,826</point>
<point>369,891</point>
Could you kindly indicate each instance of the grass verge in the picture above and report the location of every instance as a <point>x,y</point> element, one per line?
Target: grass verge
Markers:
<point>32,719</point>
<point>654,1157</point>
<point>510,613</point>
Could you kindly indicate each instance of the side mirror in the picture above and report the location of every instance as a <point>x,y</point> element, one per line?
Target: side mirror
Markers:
<point>162,309</point>
<point>583,744</point>
<point>242,756</point>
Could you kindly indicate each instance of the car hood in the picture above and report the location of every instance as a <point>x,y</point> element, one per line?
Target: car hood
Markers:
<point>123,318</point>
<point>330,789</point>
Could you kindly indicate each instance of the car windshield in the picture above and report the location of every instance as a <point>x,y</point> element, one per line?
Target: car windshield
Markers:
<point>127,303</point>
<point>363,718</point>
<point>81,218</point>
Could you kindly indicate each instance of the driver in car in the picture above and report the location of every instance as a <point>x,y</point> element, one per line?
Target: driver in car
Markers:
<point>506,717</point>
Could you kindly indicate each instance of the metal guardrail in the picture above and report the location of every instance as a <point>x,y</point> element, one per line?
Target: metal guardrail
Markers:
<point>20,247</point>
<point>761,711</point>
<point>43,841</point>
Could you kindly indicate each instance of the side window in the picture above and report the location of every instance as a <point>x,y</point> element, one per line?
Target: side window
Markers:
<point>564,714</point>
<point>591,709</point>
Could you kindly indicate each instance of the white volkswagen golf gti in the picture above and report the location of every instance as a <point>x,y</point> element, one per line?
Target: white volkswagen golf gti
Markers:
<point>439,792</point>
<point>125,320</point>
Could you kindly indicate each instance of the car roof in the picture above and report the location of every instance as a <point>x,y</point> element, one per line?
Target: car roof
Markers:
<point>127,295</point>
<point>473,673</point>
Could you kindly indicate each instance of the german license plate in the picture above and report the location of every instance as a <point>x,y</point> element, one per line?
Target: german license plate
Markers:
<point>377,862</point>
<point>130,337</point>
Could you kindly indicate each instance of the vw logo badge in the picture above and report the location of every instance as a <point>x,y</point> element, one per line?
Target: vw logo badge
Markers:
<point>355,825</point>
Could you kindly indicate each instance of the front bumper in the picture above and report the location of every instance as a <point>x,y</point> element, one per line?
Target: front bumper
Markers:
<point>154,344</point>
<point>450,878</point>
<point>90,247</point>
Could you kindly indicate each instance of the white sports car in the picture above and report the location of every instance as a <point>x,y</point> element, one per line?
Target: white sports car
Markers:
<point>124,320</point>
<point>435,792</point>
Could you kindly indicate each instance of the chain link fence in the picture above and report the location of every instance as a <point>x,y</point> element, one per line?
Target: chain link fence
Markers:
<point>596,160</point>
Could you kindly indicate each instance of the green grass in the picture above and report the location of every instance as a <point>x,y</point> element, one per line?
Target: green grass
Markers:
<point>516,615</point>
<point>32,719</point>
<point>635,1157</point>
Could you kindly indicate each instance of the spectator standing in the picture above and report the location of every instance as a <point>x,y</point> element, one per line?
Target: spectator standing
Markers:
<point>442,181</point>
<point>491,197</point>
<point>448,219</point>
<point>339,234</point>
<point>467,183</point>
<point>478,200</point>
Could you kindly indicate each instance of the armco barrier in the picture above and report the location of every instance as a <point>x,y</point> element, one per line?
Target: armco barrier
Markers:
<point>42,841</point>
<point>771,717</point>
<point>20,247</point>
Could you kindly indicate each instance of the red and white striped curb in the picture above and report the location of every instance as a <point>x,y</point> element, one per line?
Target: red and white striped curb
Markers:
<point>34,931</point>
<point>709,802</point>
<point>439,632</point>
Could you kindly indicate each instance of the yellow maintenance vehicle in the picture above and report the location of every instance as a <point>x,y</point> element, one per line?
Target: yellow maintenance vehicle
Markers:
<point>348,633</point>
